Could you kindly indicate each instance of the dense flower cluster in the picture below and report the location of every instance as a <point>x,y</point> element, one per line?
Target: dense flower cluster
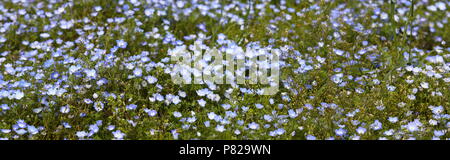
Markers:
<point>102,69</point>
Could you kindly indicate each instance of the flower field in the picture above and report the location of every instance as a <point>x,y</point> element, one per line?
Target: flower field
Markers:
<point>104,69</point>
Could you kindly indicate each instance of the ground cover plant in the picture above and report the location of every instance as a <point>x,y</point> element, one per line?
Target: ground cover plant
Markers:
<point>86,69</point>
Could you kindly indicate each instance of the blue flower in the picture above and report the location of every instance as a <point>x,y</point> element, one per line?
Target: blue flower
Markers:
<point>268,118</point>
<point>66,125</point>
<point>151,112</point>
<point>211,115</point>
<point>413,126</point>
<point>65,109</point>
<point>292,113</point>
<point>87,101</point>
<point>81,134</point>
<point>44,35</point>
<point>151,79</point>
<point>310,137</point>
<point>361,130</point>
<point>439,133</point>
<point>121,44</point>
<point>18,94</point>
<point>32,130</point>
<point>110,127</point>
<point>207,123</point>
<point>21,131</point>
<point>21,124</point>
<point>376,125</point>
<point>98,106</point>
<point>392,119</point>
<point>94,128</point>
<point>118,134</point>
<point>4,107</point>
<point>340,132</point>
<point>137,72</point>
<point>91,73</point>
<point>253,125</point>
<point>131,107</point>
<point>226,106</point>
<point>191,120</point>
<point>259,106</point>
<point>177,114</point>
<point>201,102</point>
<point>54,75</point>
<point>220,128</point>
<point>5,130</point>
